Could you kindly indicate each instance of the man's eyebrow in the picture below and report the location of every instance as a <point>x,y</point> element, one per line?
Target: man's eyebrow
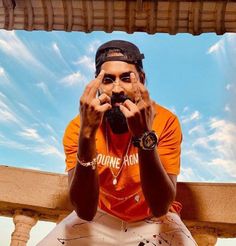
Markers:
<point>126,74</point>
<point>109,75</point>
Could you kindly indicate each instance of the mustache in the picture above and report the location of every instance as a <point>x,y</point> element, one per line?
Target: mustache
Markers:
<point>120,98</point>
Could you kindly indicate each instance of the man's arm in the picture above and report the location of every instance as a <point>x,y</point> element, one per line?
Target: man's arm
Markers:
<point>158,187</point>
<point>83,181</point>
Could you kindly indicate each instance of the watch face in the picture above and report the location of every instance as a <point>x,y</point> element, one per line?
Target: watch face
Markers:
<point>150,141</point>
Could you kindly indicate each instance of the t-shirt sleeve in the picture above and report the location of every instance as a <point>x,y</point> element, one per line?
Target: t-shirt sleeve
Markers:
<point>70,143</point>
<point>169,146</point>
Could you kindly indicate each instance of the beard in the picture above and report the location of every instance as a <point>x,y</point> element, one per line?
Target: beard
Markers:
<point>115,117</point>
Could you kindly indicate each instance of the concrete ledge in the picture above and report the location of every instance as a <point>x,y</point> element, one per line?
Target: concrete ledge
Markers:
<point>208,206</point>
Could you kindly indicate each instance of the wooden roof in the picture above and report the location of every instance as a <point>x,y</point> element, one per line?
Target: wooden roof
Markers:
<point>149,16</point>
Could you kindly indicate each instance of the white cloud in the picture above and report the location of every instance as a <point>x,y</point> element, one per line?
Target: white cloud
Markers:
<point>225,51</point>
<point>73,79</point>
<point>6,142</point>
<point>87,62</point>
<point>49,127</point>
<point>196,129</point>
<point>45,89</point>
<point>24,107</point>
<point>30,133</point>
<point>217,47</point>
<point>4,78</point>
<point>54,139</point>
<point>42,147</point>
<point>2,72</point>
<point>188,174</point>
<point>56,49</point>
<point>228,87</point>
<point>227,108</point>
<point>2,95</point>
<point>29,112</point>
<point>13,46</point>
<point>214,145</point>
<point>173,109</point>
<point>193,117</point>
<point>7,114</point>
<point>93,46</point>
<point>49,150</point>
<point>231,87</point>
<point>225,164</point>
<point>186,108</point>
<point>225,56</point>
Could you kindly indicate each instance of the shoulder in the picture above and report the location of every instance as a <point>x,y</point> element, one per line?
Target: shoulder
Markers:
<point>163,113</point>
<point>72,129</point>
<point>74,123</point>
<point>165,120</point>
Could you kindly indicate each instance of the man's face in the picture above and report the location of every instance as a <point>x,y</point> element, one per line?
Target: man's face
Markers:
<point>117,84</point>
<point>117,78</point>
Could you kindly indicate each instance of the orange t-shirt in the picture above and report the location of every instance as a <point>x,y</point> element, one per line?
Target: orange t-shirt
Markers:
<point>125,200</point>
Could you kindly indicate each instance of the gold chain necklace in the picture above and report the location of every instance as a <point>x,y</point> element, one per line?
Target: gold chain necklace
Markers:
<point>115,181</point>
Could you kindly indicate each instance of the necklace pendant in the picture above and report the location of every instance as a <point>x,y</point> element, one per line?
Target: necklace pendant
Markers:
<point>114,182</point>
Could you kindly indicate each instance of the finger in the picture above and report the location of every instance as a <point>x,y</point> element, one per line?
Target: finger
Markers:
<point>103,108</point>
<point>144,93</point>
<point>130,105</point>
<point>135,87</point>
<point>104,98</point>
<point>125,111</point>
<point>96,84</point>
<point>91,84</point>
<point>95,105</point>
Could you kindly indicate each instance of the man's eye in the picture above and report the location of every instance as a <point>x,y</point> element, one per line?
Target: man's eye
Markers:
<point>126,79</point>
<point>107,80</point>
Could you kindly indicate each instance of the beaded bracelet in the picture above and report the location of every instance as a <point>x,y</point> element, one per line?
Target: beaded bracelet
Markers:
<point>92,163</point>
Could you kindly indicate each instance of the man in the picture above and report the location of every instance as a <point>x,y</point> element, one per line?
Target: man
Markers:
<point>123,158</point>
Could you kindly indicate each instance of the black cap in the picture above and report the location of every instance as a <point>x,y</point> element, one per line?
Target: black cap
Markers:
<point>130,53</point>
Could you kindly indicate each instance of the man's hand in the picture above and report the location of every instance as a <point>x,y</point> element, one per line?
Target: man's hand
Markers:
<point>92,108</point>
<point>140,114</point>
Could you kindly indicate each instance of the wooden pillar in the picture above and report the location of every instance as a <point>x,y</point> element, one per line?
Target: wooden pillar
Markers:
<point>24,221</point>
<point>204,236</point>
<point>205,239</point>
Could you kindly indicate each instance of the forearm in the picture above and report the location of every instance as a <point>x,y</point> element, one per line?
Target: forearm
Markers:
<point>158,189</point>
<point>84,187</point>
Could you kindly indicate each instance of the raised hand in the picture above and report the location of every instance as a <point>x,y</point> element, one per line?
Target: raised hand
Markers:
<point>92,108</point>
<point>140,113</point>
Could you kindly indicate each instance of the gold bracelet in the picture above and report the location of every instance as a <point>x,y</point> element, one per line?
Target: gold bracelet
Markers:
<point>92,163</point>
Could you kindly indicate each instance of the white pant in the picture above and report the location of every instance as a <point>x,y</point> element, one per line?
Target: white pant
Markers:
<point>107,230</point>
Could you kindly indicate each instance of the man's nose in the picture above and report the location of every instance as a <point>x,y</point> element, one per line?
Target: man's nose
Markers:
<point>117,89</point>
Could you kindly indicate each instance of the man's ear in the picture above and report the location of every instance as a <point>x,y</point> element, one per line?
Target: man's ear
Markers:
<point>142,77</point>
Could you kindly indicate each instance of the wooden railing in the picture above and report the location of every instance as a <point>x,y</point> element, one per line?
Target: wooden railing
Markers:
<point>162,16</point>
<point>27,196</point>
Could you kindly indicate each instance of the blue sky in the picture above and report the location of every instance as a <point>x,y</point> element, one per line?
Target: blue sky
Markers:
<point>43,74</point>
